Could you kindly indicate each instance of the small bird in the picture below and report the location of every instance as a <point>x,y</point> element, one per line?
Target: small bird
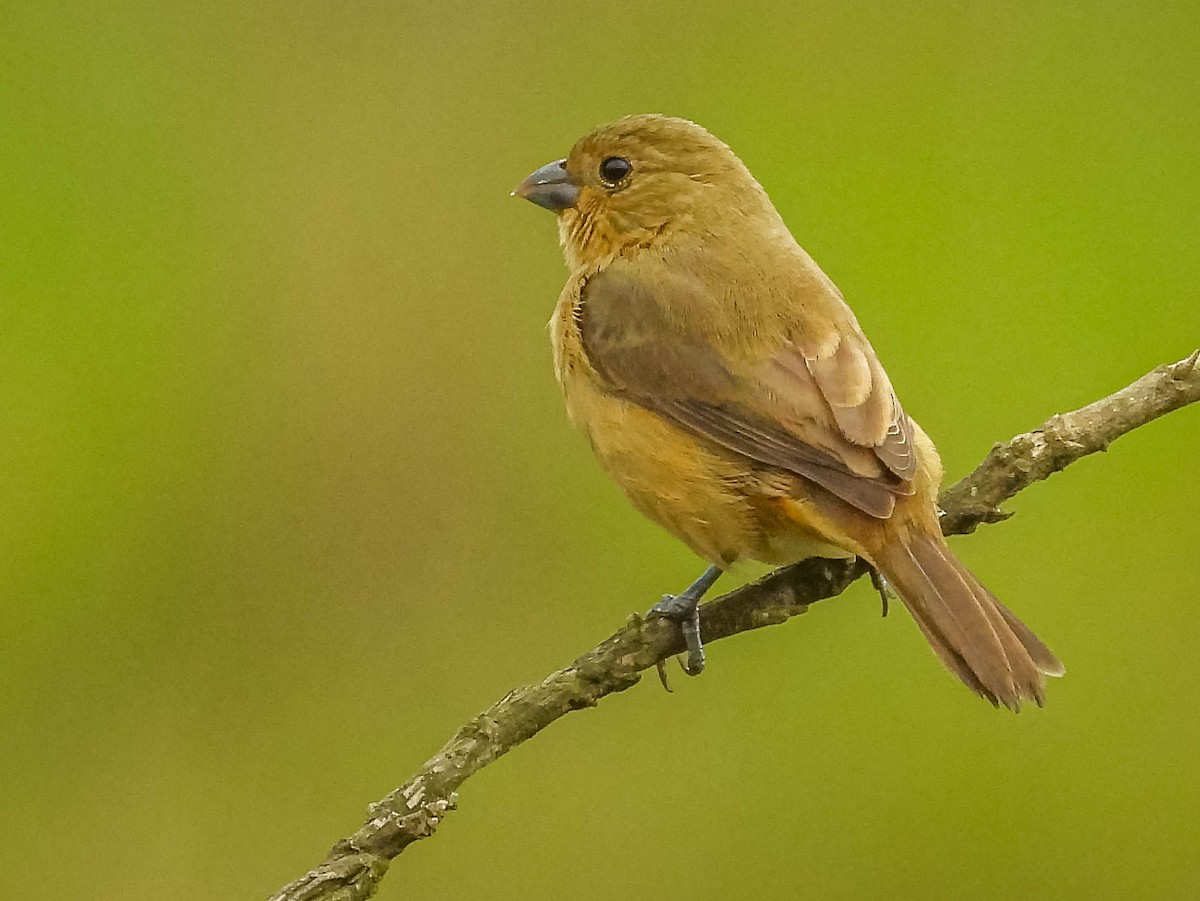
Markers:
<point>726,386</point>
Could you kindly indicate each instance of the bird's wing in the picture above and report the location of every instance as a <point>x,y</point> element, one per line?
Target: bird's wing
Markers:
<point>816,403</point>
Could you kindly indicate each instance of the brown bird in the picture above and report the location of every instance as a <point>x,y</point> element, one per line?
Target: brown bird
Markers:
<point>727,387</point>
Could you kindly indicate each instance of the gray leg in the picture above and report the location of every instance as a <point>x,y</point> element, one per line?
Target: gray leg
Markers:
<point>684,608</point>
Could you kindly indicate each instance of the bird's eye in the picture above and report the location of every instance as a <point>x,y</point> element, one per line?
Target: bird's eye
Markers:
<point>613,169</point>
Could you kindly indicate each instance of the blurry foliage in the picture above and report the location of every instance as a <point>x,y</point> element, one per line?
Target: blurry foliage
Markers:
<point>288,492</point>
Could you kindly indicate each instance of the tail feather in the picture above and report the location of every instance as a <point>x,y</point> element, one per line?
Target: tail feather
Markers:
<point>1016,653</point>
<point>1043,657</point>
<point>979,640</point>
<point>952,660</point>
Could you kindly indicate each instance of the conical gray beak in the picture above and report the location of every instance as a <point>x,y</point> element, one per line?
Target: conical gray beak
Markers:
<point>551,187</point>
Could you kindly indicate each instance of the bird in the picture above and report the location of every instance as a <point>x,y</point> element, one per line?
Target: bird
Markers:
<point>724,383</point>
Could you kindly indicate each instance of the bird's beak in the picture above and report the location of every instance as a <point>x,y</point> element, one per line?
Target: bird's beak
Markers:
<point>551,187</point>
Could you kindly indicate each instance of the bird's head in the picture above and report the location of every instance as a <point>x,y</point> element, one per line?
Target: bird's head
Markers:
<point>640,180</point>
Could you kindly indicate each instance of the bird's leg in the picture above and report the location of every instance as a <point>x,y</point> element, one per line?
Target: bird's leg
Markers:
<point>883,586</point>
<point>684,608</point>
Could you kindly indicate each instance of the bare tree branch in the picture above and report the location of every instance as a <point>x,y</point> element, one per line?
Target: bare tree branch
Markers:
<point>353,868</point>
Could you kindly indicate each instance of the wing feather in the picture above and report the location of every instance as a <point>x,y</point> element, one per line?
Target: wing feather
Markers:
<point>819,406</point>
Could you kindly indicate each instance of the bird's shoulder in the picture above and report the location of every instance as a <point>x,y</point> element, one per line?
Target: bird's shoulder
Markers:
<point>745,306</point>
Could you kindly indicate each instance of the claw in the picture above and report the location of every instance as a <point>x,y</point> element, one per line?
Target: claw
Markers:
<point>684,608</point>
<point>661,666</point>
<point>883,586</point>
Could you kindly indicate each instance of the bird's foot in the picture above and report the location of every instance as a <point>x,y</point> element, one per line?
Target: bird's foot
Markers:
<point>673,606</point>
<point>684,610</point>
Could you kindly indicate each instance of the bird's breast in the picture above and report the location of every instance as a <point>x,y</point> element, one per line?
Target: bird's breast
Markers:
<point>667,474</point>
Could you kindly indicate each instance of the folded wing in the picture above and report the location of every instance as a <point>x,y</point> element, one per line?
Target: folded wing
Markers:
<point>815,401</point>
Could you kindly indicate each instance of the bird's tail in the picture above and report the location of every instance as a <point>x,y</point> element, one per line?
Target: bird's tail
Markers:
<point>977,638</point>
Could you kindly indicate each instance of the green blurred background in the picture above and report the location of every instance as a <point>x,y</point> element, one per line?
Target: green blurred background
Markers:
<point>287,491</point>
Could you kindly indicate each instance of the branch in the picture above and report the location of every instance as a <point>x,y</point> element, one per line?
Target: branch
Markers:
<point>355,865</point>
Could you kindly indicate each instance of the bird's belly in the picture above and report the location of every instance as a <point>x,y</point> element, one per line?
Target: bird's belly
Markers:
<point>718,503</point>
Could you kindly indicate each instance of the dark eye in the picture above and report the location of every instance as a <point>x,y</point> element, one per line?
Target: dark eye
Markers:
<point>613,169</point>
